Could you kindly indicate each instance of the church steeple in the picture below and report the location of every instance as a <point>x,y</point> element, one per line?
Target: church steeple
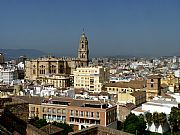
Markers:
<point>83,51</point>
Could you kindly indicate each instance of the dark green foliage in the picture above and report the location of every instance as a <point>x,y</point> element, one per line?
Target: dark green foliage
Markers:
<point>162,118</point>
<point>119,125</point>
<point>174,119</point>
<point>38,122</point>
<point>156,118</point>
<point>149,118</point>
<point>65,126</point>
<point>134,124</point>
<point>42,122</point>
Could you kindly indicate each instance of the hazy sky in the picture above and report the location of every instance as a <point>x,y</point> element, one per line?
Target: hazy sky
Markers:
<point>113,27</point>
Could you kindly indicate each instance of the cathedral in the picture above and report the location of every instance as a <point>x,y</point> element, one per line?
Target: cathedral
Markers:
<point>45,66</point>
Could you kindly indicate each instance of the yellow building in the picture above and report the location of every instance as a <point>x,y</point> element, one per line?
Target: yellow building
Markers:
<point>137,97</point>
<point>169,79</point>
<point>91,78</point>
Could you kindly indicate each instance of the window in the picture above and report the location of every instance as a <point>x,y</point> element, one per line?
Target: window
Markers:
<point>44,109</point>
<point>63,111</point>
<point>72,112</point>
<point>76,113</point>
<point>82,113</point>
<point>49,116</point>
<point>58,117</point>
<point>32,108</point>
<point>152,85</point>
<point>42,69</point>
<point>54,117</point>
<point>92,121</point>
<point>59,111</point>
<point>152,80</point>
<point>71,119</point>
<point>34,71</point>
<point>53,110</point>
<point>63,118</point>
<point>37,110</point>
<point>97,122</point>
<point>87,114</point>
<point>97,114</point>
<point>44,116</point>
<point>49,110</point>
<point>92,114</point>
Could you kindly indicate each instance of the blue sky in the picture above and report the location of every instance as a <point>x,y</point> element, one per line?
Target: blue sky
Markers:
<point>113,27</point>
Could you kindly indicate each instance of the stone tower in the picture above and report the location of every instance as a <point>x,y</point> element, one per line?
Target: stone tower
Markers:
<point>153,87</point>
<point>83,51</point>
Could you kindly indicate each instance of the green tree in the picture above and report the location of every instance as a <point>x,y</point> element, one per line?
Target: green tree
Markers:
<point>149,118</point>
<point>162,119</point>
<point>174,119</point>
<point>134,124</point>
<point>156,119</point>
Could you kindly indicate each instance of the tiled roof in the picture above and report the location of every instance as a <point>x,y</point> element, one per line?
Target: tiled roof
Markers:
<point>138,93</point>
<point>51,129</point>
<point>70,101</point>
<point>30,99</point>
<point>134,84</point>
<point>97,130</point>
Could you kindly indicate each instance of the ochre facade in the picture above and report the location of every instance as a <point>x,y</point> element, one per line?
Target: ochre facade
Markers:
<point>36,68</point>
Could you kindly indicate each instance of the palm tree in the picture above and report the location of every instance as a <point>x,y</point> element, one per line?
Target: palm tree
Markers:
<point>149,118</point>
<point>162,119</point>
<point>156,119</point>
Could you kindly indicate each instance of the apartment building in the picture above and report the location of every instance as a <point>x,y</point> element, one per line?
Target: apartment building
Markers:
<point>92,113</point>
<point>80,113</point>
<point>7,75</point>
<point>91,78</point>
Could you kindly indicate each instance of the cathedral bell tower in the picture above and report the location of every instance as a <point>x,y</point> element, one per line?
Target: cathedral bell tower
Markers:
<point>83,51</point>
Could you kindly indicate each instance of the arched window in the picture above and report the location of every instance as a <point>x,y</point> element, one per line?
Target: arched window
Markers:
<point>52,69</point>
<point>42,69</point>
<point>82,46</point>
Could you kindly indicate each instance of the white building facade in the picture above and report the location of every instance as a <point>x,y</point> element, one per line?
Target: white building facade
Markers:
<point>8,75</point>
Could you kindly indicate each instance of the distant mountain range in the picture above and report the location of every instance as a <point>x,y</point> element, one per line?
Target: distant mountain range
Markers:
<point>15,53</point>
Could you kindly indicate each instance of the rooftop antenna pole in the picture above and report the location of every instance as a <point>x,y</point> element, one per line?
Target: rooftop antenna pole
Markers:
<point>83,30</point>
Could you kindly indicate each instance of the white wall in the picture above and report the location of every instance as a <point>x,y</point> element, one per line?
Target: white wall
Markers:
<point>159,128</point>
